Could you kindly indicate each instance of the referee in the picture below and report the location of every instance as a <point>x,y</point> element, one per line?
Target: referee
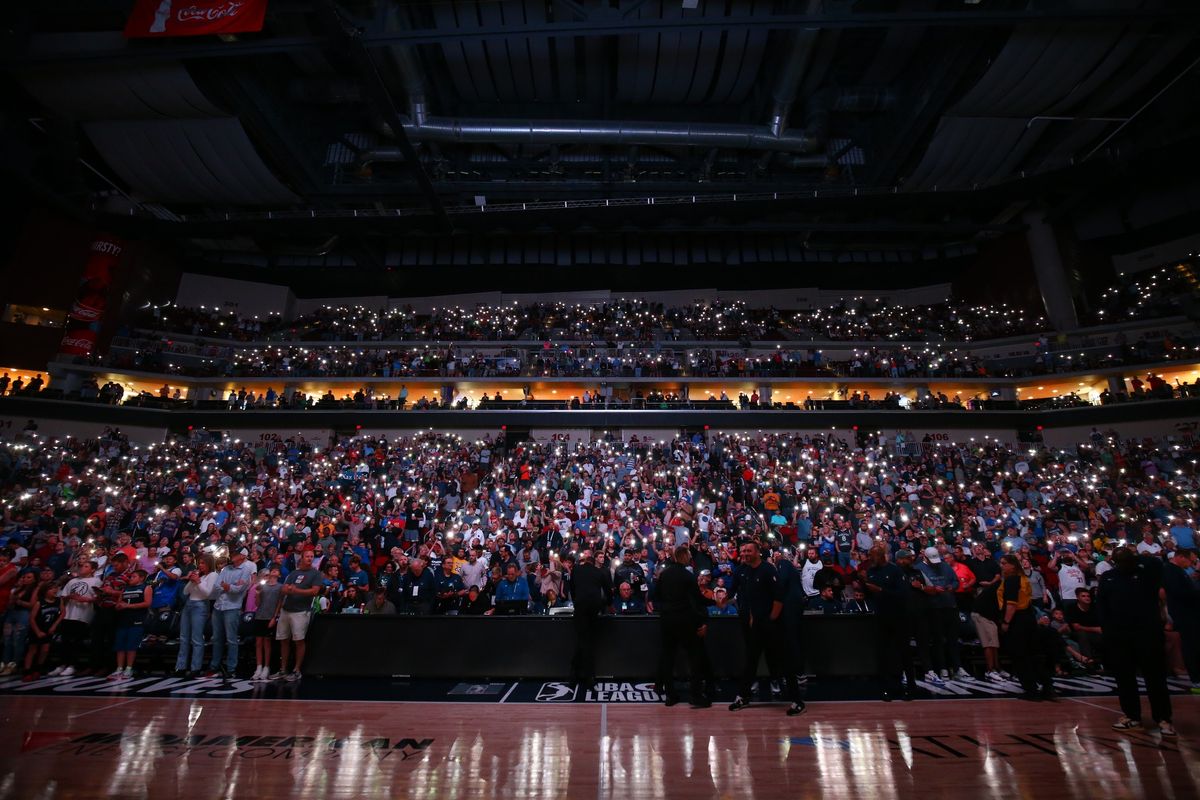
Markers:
<point>682,624</point>
<point>760,606</point>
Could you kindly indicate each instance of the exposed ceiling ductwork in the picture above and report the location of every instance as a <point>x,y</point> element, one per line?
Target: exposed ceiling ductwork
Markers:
<point>421,127</point>
<point>773,136</point>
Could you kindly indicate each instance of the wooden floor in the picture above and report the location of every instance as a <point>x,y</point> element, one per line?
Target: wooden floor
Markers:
<point>209,748</point>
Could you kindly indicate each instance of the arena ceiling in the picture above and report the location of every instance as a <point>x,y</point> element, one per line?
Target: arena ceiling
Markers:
<point>360,126</point>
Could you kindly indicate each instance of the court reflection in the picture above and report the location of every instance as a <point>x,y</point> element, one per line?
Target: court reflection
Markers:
<point>203,748</point>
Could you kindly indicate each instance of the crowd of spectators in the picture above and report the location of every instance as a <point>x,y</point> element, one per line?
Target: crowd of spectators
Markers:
<point>1162,293</point>
<point>101,536</point>
<point>858,319</point>
<point>662,361</point>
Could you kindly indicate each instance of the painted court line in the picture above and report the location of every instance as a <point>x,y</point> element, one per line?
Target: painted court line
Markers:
<point>108,707</point>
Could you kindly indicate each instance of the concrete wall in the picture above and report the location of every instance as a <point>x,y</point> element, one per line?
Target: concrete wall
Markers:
<point>1147,429</point>
<point>11,428</point>
<point>246,298</point>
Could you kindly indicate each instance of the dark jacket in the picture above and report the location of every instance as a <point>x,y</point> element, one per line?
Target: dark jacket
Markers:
<point>677,596</point>
<point>591,587</point>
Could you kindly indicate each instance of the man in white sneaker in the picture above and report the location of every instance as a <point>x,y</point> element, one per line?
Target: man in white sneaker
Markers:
<point>78,598</point>
<point>291,623</point>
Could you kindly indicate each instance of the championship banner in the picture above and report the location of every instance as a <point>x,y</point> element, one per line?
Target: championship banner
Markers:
<point>91,300</point>
<point>151,18</point>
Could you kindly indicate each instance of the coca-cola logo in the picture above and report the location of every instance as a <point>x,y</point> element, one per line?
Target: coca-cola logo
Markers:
<point>210,13</point>
<point>86,313</point>
<point>108,248</point>
<point>75,343</point>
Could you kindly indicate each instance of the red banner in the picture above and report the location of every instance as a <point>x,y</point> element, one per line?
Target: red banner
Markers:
<point>194,17</point>
<point>91,300</point>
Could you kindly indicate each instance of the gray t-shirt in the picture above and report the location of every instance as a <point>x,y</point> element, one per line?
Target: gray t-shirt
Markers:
<point>301,579</point>
<point>268,599</point>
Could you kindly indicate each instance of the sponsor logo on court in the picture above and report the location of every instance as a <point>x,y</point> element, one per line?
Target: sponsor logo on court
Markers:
<point>151,686</point>
<point>557,692</point>
<point>244,746</point>
<point>562,692</point>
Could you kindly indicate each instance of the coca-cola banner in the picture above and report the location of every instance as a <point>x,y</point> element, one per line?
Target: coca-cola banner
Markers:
<point>194,17</point>
<point>91,300</point>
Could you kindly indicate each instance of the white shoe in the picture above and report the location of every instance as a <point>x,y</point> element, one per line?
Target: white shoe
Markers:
<point>934,678</point>
<point>54,673</point>
<point>994,676</point>
<point>68,672</point>
<point>117,675</point>
<point>278,676</point>
<point>6,669</point>
<point>963,675</point>
<point>1006,676</point>
<point>264,673</point>
<point>128,674</point>
<point>945,674</point>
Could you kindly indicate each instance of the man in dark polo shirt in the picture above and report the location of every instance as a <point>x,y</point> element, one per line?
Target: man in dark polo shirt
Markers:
<point>888,586</point>
<point>593,590</point>
<point>1131,617</point>
<point>760,606</point>
<point>677,600</point>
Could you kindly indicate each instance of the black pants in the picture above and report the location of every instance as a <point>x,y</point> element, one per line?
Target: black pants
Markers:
<point>1131,652</point>
<point>765,638</point>
<point>681,633</point>
<point>1029,660</point>
<point>895,654</point>
<point>943,638</point>
<point>1189,643</point>
<point>920,622</point>
<point>793,643</point>
<point>74,633</point>
<point>583,663</point>
<point>104,634</point>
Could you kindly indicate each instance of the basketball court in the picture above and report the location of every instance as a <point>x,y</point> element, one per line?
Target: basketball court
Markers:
<point>326,739</point>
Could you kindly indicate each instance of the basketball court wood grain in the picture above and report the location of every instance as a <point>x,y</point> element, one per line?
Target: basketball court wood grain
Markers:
<point>78,747</point>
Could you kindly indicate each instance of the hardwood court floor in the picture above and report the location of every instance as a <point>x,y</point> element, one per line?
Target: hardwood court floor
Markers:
<point>76,747</point>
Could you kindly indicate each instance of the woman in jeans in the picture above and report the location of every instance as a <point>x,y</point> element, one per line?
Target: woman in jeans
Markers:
<point>198,591</point>
<point>16,624</point>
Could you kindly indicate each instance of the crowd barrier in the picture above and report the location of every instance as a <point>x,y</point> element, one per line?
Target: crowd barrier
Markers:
<point>541,647</point>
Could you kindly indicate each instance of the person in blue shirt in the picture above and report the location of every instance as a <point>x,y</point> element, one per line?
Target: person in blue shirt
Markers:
<point>513,588</point>
<point>356,575</point>
<point>940,585</point>
<point>1012,543</point>
<point>416,590</point>
<point>450,589</point>
<point>1183,534</point>
<point>803,527</point>
<point>723,607</point>
<point>760,606</point>
<point>627,602</point>
<point>166,583</point>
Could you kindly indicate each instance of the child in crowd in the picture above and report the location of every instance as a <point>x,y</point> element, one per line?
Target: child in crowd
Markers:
<point>131,623</point>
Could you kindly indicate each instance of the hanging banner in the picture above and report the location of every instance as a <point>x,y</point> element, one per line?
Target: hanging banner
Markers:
<point>151,18</point>
<point>91,300</point>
